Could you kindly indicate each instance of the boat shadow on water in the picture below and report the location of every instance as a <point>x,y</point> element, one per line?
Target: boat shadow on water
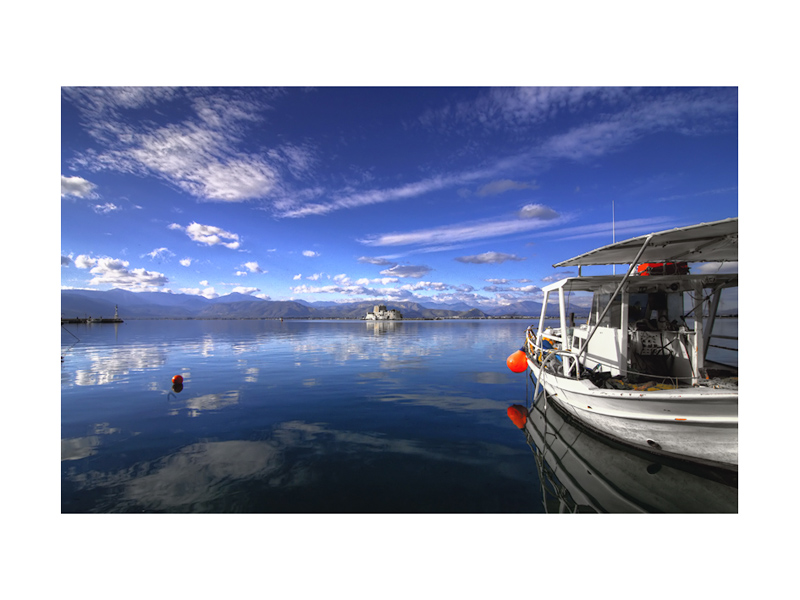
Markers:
<point>581,472</point>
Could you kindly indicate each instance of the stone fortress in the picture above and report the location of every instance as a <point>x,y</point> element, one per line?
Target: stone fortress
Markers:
<point>380,313</point>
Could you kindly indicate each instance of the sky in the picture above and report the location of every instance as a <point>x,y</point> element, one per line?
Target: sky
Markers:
<point>426,194</point>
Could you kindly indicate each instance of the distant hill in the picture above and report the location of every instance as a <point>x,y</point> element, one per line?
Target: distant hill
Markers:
<point>160,305</point>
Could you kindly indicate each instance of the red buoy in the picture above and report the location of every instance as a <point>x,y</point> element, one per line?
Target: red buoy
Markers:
<point>518,415</point>
<point>518,361</point>
<point>177,379</point>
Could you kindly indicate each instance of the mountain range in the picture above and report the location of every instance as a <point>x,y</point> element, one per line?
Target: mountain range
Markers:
<point>159,305</point>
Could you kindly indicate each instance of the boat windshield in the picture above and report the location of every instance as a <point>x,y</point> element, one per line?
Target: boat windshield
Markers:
<point>656,310</point>
<point>653,310</point>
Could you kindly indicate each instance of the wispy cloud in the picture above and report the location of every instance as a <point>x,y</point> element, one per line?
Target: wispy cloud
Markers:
<point>488,258</point>
<point>623,229</point>
<point>159,254</point>
<point>714,192</point>
<point>503,185</point>
<point>376,261</point>
<point>414,189</point>
<point>463,232</point>
<point>414,271</point>
<point>202,155</point>
<point>685,112</point>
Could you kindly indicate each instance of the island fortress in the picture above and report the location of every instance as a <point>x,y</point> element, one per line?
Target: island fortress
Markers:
<point>380,313</point>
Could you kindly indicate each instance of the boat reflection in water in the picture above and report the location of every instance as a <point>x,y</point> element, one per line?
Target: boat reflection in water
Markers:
<point>581,473</point>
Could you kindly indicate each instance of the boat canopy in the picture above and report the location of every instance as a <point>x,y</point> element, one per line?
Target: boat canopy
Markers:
<point>707,242</point>
<point>608,283</point>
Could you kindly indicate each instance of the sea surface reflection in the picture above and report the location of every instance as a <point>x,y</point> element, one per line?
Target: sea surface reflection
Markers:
<point>294,416</point>
<point>582,473</point>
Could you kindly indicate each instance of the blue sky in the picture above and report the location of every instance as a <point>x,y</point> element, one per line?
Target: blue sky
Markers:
<point>425,194</point>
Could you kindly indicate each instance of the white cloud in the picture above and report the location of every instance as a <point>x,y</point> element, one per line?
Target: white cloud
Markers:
<point>115,272</point>
<point>348,290</point>
<point>206,292</point>
<point>210,235</point>
<point>186,262</point>
<point>253,267</point>
<point>77,187</point>
<point>538,211</point>
<point>106,208</point>
<point>425,285</point>
<point>310,253</point>
<point>381,280</point>
<point>244,290</point>
<point>83,261</point>
<point>298,276</point>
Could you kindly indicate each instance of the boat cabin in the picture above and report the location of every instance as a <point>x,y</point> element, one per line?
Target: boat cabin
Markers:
<point>652,328</point>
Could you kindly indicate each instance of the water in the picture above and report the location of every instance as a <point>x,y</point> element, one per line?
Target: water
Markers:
<point>294,417</point>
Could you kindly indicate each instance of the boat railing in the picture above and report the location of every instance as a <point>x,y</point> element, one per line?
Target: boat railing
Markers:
<point>549,354</point>
<point>544,354</point>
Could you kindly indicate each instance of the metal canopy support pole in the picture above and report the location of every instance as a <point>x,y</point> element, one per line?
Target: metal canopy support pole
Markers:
<point>562,317</point>
<point>712,315</point>
<point>698,361</point>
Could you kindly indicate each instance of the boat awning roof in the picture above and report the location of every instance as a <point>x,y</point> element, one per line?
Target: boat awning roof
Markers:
<point>705,242</point>
<point>594,283</point>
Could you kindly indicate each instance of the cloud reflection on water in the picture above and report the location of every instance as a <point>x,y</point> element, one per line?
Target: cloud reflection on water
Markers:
<point>206,472</point>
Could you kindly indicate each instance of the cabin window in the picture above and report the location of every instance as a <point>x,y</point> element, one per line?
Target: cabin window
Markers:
<point>655,310</point>
<point>614,314</point>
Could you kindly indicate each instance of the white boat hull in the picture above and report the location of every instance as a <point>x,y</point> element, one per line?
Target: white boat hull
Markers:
<point>698,424</point>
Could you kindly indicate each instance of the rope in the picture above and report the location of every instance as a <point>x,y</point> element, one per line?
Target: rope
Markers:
<point>77,339</point>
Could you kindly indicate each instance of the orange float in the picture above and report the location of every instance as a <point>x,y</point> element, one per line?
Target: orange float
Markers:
<point>518,361</point>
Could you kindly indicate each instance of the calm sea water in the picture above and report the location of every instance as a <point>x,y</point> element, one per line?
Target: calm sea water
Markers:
<point>296,416</point>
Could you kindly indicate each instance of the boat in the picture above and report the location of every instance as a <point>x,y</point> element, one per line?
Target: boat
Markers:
<point>638,370</point>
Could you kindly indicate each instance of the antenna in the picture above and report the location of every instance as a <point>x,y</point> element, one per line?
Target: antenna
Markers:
<point>613,235</point>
